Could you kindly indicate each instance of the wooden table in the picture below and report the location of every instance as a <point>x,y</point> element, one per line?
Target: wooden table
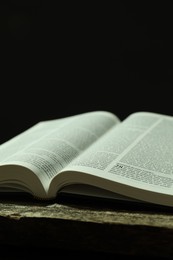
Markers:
<point>90,227</point>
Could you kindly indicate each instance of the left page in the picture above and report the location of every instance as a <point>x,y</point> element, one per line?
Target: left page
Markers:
<point>49,146</point>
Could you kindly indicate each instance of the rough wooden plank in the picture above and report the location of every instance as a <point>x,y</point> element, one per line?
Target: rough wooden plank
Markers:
<point>86,227</point>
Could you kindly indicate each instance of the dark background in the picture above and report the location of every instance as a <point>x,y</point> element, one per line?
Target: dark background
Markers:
<point>63,59</point>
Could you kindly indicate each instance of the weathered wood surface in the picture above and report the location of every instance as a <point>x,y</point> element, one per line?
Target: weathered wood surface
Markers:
<point>89,227</point>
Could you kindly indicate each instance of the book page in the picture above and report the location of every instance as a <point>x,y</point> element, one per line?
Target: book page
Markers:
<point>138,153</point>
<point>49,146</point>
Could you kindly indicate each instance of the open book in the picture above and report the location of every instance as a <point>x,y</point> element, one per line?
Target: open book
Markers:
<point>93,154</point>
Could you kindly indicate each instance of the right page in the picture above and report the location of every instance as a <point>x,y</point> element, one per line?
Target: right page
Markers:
<point>134,159</point>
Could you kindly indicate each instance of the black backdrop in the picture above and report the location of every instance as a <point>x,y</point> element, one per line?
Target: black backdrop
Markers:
<point>66,59</point>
